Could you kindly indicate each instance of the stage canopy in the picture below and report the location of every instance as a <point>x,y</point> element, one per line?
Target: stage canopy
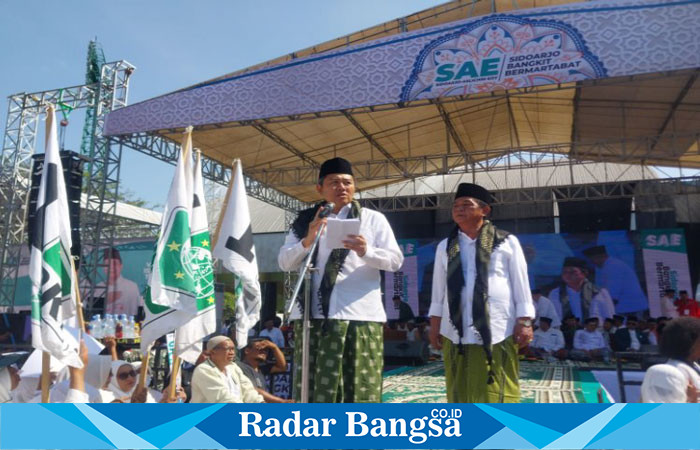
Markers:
<point>452,89</point>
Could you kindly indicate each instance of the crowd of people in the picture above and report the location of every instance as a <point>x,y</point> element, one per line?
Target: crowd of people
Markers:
<point>596,339</point>
<point>483,316</point>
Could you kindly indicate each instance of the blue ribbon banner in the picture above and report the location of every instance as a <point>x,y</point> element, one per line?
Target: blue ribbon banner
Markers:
<point>358,426</point>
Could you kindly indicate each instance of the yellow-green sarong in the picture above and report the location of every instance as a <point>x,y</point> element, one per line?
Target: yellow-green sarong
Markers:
<point>345,362</point>
<point>466,374</point>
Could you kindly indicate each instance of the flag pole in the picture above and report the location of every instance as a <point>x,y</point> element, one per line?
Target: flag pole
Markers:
<point>46,356</point>
<point>45,376</point>
<point>222,211</point>
<point>78,301</point>
<point>144,368</point>
<point>188,141</point>
<point>173,378</point>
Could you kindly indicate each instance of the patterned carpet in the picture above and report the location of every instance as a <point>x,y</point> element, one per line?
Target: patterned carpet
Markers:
<point>540,382</point>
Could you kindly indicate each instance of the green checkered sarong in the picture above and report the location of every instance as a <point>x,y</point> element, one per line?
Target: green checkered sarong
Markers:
<point>345,363</point>
<point>466,374</point>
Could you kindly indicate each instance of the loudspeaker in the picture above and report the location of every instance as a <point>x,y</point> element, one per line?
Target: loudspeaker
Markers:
<point>73,175</point>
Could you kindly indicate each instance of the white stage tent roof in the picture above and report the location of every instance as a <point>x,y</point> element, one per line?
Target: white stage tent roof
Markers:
<point>450,88</point>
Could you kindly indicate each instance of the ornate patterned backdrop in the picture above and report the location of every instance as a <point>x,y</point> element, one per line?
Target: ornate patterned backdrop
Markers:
<point>615,38</point>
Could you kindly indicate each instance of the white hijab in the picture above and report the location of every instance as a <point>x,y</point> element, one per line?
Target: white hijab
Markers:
<point>59,393</point>
<point>27,390</point>
<point>5,385</point>
<point>114,382</point>
<point>97,370</point>
<point>664,383</point>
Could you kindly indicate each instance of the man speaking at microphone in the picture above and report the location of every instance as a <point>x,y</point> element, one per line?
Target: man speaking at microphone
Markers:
<point>346,348</point>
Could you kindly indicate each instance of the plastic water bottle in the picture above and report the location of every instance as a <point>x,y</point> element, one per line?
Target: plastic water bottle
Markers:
<point>96,323</point>
<point>108,326</point>
<point>119,327</point>
<point>131,328</point>
<point>126,330</point>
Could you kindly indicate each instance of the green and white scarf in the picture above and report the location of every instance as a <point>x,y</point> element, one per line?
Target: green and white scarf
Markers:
<point>335,262</point>
<point>588,291</point>
<point>489,239</point>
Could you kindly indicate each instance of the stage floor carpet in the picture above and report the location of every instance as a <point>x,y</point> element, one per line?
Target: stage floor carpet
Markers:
<point>540,382</point>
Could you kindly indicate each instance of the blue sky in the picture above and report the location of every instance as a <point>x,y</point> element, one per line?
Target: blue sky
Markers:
<point>172,43</point>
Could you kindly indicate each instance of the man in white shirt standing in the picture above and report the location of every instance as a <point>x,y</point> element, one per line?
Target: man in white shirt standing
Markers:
<point>481,309</point>
<point>544,308</point>
<point>589,343</point>
<point>578,296</point>
<point>347,344</point>
<point>123,296</point>
<point>668,309</point>
<point>273,333</point>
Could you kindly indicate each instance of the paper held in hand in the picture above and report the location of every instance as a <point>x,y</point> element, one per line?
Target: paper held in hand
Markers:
<point>337,230</point>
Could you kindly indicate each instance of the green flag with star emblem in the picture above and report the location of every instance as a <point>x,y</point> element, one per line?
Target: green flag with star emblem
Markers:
<point>171,298</point>
<point>188,338</point>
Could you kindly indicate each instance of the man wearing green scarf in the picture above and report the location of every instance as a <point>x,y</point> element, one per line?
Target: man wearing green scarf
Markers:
<point>346,345</point>
<point>481,310</point>
<point>577,295</point>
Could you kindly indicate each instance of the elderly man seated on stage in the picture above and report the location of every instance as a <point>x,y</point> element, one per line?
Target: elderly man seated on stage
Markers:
<point>589,343</point>
<point>219,380</point>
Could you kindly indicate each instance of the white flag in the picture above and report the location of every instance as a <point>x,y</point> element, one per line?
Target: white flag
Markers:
<point>50,266</point>
<point>235,249</point>
<point>188,338</point>
<point>171,281</point>
<point>169,301</point>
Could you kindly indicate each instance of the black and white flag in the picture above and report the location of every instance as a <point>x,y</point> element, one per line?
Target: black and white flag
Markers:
<point>50,266</point>
<point>234,247</point>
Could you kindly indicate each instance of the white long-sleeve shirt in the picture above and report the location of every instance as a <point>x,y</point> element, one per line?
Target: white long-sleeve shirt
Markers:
<point>588,340</point>
<point>550,340</point>
<point>509,294</point>
<point>356,294</point>
<point>668,309</point>
<point>123,297</point>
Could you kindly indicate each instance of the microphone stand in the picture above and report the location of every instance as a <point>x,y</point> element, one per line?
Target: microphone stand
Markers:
<point>305,276</point>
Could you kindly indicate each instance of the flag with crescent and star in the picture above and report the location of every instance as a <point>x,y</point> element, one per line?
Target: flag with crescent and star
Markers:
<point>50,267</point>
<point>188,338</point>
<point>235,249</point>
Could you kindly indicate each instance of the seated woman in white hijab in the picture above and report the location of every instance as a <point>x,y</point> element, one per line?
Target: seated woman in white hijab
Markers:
<point>74,393</point>
<point>664,383</point>
<point>96,378</point>
<point>123,381</point>
<point>680,342</point>
<point>9,377</point>
<point>28,390</point>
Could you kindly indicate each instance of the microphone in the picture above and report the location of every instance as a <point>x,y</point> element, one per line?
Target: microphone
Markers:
<point>326,210</point>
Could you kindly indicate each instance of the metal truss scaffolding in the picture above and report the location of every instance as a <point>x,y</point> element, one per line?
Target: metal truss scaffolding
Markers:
<point>580,192</point>
<point>167,150</point>
<point>622,151</point>
<point>24,114</point>
<point>102,184</point>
